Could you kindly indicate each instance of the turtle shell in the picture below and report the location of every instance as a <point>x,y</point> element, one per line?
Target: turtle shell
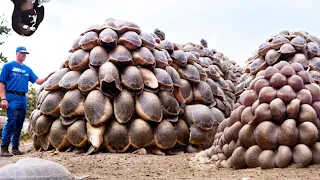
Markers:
<point>200,115</point>
<point>207,52</point>
<point>161,58</point>
<point>165,136</point>
<point>204,61</point>
<point>215,89</point>
<point>167,45</point>
<point>170,105</point>
<point>121,26</point>
<point>182,131</point>
<point>148,40</point>
<point>131,78</point>
<point>42,125</point>
<point>109,79</point>
<point>88,81</point>
<point>58,136</point>
<point>72,104</point>
<point>98,56</point>
<point>298,42</point>
<point>131,40</point>
<point>169,59</point>
<point>143,57</point>
<point>164,79</point>
<point>75,44</point>
<point>313,49</point>
<point>44,142</point>
<point>198,135</point>
<point>149,107</point>
<point>278,41</point>
<point>315,64</point>
<point>203,74</point>
<point>94,28</point>
<point>272,57</point>
<point>89,40</point>
<point>97,108</point>
<point>174,76</point>
<point>149,79</point>
<point>51,104</point>
<point>191,57</point>
<point>156,38</point>
<point>123,106</point>
<point>179,57</point>
<point>121,56</point>
<point>202,93</point>
<point>29,168</point>
<point>312,38</point>
<point>190,73</point>
<point>108,39</point>
<point>257,65</point>
<point>301,59</point>
<point>264,48</point>
<point>77,133</point>
<point>70,80</point>
<point>140,133</point>
<point>79,60</point>
<point>52,82</point>
<point>287,48</point>
<point>116,137</point>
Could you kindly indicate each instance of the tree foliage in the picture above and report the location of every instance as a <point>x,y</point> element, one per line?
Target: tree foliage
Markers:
<point>4,31</point>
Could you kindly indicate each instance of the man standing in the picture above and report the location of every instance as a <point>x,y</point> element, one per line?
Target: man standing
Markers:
<point>14,80</point>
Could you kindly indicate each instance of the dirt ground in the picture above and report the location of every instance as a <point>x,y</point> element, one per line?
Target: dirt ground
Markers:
<point>129,166</point>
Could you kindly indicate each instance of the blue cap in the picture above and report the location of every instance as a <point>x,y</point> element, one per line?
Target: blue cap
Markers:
<point>22,50</point>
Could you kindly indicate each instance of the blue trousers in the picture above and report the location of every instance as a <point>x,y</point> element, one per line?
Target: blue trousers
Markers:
<point>16,114</point>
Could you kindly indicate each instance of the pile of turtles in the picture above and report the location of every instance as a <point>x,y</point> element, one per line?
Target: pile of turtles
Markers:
<point>124,90</point>
<point>276,119</point>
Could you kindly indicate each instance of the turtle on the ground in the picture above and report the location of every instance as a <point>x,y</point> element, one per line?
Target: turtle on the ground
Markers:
<point>36,168</point>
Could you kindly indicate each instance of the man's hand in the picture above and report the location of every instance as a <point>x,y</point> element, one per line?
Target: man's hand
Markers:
<point>4,104</point>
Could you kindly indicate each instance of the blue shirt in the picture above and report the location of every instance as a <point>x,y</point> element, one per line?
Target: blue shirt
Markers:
<point>16,77</point>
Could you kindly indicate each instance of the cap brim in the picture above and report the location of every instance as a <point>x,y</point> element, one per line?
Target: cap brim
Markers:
<point>24,52</point>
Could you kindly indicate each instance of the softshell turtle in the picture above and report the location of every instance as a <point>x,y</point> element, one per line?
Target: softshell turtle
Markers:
<point>123,106</point>
<point>70,80</point>
<point>98,56</point>
<point>160,58</point>
<point>190,73</point>
<point>58,136</point>
<point>149,79</point>
<point>97,108</point>
<point>116,137</point>
<point>167,45</point>
<point>51,104</point>
<point>143,57</point>
<point>164,80</point>
<point>130,39</point>
<point>72,104</point>
<point>52,82</point>
<point>79,60</point>
<point>121,56</point>
<point>298,42</point>
<point>36,168</point>
<point>140,133</point>
<point>272,57</point>
<point>200,115</point>
<point>109,79</point>
<point>131,78</point>
<point>108,39</point>
<point>165,136</point>
<point>89,40</point>
<point>179,57</point>
<point>170,105</point>
<point>149,107</point>
<point>88,81</point>
<point>148,40</point>
<point>77,133</point>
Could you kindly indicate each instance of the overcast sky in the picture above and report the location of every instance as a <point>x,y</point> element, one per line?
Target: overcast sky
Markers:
<point>235,28</point>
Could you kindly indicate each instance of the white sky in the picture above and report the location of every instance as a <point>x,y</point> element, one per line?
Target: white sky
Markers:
<point>235,28</point>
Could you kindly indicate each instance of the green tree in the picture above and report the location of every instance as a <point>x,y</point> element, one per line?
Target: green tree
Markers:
<point>4,31</point>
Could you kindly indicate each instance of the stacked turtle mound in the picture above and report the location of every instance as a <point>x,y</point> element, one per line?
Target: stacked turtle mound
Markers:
<point>276,120</point>
<point>122,90</point>
<point>295,46</point>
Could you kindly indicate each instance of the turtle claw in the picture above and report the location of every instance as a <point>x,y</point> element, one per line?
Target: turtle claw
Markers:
<point>141,151</point>
<point>157,151</point>
<point>79,150</point>
<point>91,150</point>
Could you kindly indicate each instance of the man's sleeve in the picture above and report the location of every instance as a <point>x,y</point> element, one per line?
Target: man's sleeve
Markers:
<point>32,77</point>
<point>4,74</point>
